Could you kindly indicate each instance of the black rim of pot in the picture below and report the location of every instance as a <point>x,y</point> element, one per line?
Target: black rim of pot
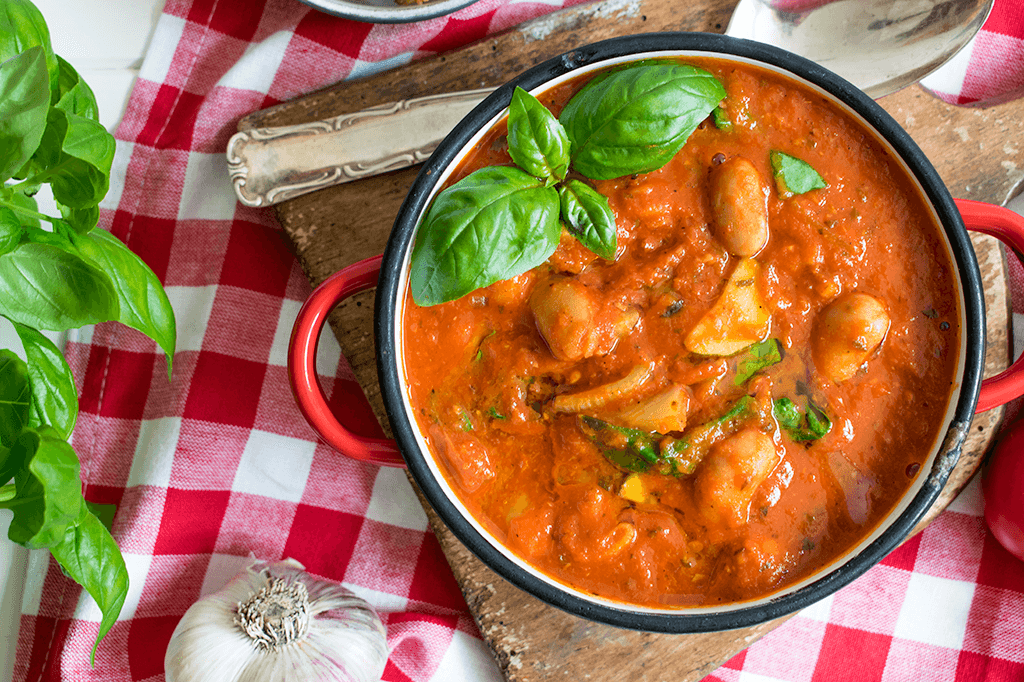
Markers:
<point>682,621</point>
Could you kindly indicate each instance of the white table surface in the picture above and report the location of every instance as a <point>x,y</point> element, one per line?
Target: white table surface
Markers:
<point>105,41</point>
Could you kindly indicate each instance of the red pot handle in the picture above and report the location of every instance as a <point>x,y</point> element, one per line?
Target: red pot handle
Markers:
<point>1007,227</point>
<point>302,365</point>
<point>995,221</point>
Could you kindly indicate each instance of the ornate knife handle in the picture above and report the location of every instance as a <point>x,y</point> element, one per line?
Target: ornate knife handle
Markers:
<point>270,165</point>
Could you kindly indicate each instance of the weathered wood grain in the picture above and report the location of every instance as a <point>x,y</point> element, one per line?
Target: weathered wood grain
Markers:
<point>974,151</point>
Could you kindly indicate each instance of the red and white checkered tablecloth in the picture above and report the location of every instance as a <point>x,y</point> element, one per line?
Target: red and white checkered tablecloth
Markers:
<point>217,463</point>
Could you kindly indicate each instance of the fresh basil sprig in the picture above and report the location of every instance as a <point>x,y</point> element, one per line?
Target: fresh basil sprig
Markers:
<point>635,119</point>
<point>631,120</point>
<point>60,277</point>
<point>793,175</point>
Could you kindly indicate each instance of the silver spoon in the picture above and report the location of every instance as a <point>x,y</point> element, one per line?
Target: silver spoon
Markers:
<point>879,45</point>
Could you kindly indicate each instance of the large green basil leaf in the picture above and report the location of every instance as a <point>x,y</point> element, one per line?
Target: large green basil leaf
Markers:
<point>49,499</point>
<point>19,200</point>
<point>22,27</point>
<point>15,398</point>
<point>24,101</point>
<point>793,175</point>
<point>46,287</point>
<point>73,94</point>
<point>635,119</point>
<point>54,400</point>
<point>74,156</point>
<point>90,556</point>
<point>589,218</point>
<point>496,223</point>
<point>537,142</point>
<point>10,230</point>
<point>141,298</point>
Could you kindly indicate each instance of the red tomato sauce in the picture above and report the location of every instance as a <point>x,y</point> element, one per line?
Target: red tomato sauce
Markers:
<point>760,510</point>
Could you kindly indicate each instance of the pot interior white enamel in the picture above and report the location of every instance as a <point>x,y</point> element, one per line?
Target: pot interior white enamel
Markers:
<point>881,540</point>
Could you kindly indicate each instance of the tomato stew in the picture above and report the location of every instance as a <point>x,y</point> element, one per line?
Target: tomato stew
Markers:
<point>742,395</point>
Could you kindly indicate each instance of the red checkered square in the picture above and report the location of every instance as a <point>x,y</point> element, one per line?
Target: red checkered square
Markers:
<point>919,662</point>
<point>192,239</point>
<point>324,31</point>
<point>988,78</point>
<point>138,517</point>
<point>872,602</point>
<point>951,546</point>
<point>256,524</point>
<point>322,540</point>
<point>904,556</point>
<point>995,625</point>
<point>239,313</point>
<point>126,398</point>
<point>459,32</point>
<point>242,25</point>
<point>177,130</point>
<point>163,104</point>
<point>339,483</point>
<point>298,288</point>
<point>147,643</point>
<point>173,583</point>
<point>851,655</point>
<point>258,259</point>
<point>998,567</point>
<point>973,667</point>
<point>788,652</point>
<point>105,448</point>
<point>163,185</point>
<point>191,522</point>
<point>41,663</point>
<point>384,558</point>
<point>432,580</point>
<point>207,455</point>
<point>136,118</point>
<point>225,390</point>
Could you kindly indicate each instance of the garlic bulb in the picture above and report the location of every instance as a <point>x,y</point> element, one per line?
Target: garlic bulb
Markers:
<point>274,622</point>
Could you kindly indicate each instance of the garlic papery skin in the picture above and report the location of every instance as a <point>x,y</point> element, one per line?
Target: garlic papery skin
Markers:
<point>273,622</point>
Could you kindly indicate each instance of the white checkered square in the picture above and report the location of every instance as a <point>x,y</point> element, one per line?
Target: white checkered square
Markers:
<point>872,602</point>
<point>328,352</point>
<point>394,502</point>
<point>789,651</point>
<point>154,452</point>
<point>382,602</point>
<point>207,193</point>
<point>221,569</point>
<point>274,466</point>
<point>192,307</point>
<point>820,610</point>
<point>256,68</point>
<point>35,578</point>
<point>160,55</point>
<point>466,658</point>
<point>969,501</point>
<point>384,558</point>
<point>935,611</point>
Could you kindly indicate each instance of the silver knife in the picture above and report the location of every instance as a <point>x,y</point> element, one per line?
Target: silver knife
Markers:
<point>271,165</point>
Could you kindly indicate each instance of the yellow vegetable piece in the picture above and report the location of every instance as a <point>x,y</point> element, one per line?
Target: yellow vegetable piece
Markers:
<point>738,319</point>
<point>633,489</point>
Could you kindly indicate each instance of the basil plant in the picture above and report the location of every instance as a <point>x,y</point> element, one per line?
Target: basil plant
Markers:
<point>58,273</point>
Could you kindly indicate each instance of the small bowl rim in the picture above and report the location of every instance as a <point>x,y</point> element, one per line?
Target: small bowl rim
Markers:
<point>397,14</point>
<point>830,579</point>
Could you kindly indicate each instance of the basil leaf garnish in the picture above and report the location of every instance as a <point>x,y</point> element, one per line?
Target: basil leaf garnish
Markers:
<point>588,217</point>
<point>15,398</point>
<point>793,176</point>
<point>54,401</point>
<point>810,425</point>
<point>635,119</point>
<point>496,223</point>
<point>536,140</point>
<point>757,357</point>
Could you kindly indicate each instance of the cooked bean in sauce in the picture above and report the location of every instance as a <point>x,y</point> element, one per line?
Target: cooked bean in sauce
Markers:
<point>736,399</point>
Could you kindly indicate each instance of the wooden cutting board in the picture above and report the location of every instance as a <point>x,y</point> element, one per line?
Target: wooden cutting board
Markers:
<point>973,150</point>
